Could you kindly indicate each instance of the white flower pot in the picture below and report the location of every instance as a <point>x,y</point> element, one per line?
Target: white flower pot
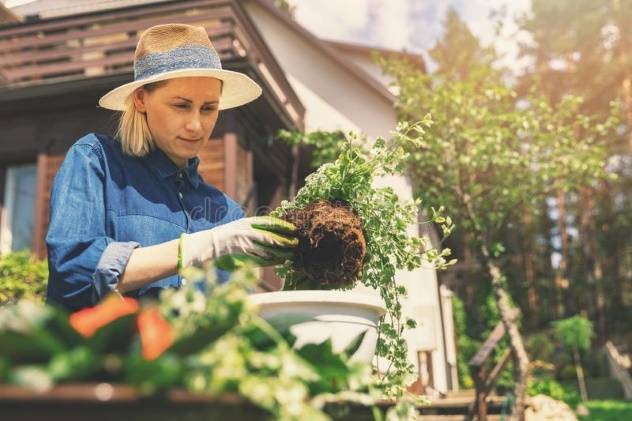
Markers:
<point>339,315</point>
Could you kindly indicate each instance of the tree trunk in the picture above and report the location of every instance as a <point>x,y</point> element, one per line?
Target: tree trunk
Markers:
<point>580,375</point>
<point>627,98</point>
<point>560,276</point>
<point>591,254</point>
<point>529,269</point>
<point>521,370</point>
<point>515,338</point>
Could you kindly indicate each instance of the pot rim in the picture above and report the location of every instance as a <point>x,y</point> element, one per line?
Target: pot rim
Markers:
<point>352,298</point>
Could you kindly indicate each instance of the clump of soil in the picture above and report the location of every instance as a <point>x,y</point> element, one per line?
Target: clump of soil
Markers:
<point>331,247</point>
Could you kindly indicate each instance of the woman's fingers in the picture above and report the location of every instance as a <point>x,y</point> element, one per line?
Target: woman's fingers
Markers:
<point>272,251</point>
<point>274,239</point>
<point>272,224</point>
<point>232,262</point>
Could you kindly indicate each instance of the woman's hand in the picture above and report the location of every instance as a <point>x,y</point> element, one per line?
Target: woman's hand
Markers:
<point>263,240</point>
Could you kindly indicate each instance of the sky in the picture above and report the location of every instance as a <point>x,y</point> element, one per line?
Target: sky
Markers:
<point>413,25</point>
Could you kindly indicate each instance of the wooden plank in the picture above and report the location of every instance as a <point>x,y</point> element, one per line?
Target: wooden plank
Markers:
<point>230,161</point>
<point>137,26</point>
<point>40,207</point>
<point>500,366</point>
<point>23,72</point>
<point>490,343</point>
<point>127,27</point>
<point>28,56</point>
<point>20,57</point>
<point>56,24</point>
<point>211,167</point>
<point>53,162</point>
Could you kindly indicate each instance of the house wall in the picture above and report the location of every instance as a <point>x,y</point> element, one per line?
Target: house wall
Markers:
<point>336,99</point>
<point>329,93</point>
<point>364,61</point>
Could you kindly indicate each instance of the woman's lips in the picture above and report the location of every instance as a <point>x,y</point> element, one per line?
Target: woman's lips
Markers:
<point>189,140</point>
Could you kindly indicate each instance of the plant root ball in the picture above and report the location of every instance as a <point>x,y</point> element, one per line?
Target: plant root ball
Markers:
<point>331,248</point>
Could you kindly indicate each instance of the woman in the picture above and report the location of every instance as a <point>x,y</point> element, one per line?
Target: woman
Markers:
<point>127,213</point>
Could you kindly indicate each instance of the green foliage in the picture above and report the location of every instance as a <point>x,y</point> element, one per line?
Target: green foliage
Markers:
<point>608,410</point>
<point>325,146</point>
<point>569,40</point>
<point>385,221</point>
<point>459,52</point>
<point>550,387</point>
<point>574,332</point>
<point>541,347</point>
<point>466,346</point>
<point>254,359</point>
<point>483,145</point>
<point>286,6</point>
<point>22,276</point>
<point>220,346</point>
<point>492,157</point>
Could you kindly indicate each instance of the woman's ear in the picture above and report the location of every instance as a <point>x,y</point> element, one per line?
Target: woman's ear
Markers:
<point>139,99</point>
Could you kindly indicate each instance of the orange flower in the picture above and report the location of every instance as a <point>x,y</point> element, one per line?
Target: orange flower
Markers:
<point>156,334</point>
<point>89,320</point>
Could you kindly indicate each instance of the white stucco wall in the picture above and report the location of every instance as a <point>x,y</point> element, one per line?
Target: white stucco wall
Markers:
<point>335,99</point>
<point>365,62</point>
<point>310,70</point>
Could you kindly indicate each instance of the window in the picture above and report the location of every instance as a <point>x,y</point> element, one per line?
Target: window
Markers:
<point>16,232</point>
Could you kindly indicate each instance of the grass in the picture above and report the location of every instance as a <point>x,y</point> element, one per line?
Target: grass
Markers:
<point>608,410</point>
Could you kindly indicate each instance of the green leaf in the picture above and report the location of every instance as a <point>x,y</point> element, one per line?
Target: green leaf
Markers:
<point>330,367</point>
<point>354,345</point>
<point>160,374</point>
<point>76,364</point>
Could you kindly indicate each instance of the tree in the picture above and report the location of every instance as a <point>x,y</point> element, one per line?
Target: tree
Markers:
<point>459,52</point>
<point>575,333</point>
<point>582,47</point>
<point>490,160</point>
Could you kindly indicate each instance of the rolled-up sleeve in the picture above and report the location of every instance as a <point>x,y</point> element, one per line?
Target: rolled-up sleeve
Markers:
<point>84,263</point>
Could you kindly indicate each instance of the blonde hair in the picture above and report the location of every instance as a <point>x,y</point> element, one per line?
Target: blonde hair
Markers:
<point>133,131</point>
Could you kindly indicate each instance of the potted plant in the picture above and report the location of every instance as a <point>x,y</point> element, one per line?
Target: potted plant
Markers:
<point>351,231</point>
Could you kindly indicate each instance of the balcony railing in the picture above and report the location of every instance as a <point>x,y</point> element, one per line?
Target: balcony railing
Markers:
<point>103,43</point>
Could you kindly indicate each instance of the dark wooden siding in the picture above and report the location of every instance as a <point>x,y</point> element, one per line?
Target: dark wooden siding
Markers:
<point>212,163</point>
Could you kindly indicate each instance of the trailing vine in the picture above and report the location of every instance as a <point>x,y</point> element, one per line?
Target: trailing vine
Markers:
<point>385,222</point>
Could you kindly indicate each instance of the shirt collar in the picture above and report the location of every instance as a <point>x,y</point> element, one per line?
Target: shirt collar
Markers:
<point>165,167</point>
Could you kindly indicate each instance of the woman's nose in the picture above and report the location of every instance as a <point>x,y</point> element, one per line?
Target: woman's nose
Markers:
<point>194,124</point>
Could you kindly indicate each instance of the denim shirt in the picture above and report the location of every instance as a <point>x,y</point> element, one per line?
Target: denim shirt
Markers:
<point>104,204</point>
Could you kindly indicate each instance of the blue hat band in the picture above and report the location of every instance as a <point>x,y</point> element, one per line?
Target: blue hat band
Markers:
<point>180,58</point>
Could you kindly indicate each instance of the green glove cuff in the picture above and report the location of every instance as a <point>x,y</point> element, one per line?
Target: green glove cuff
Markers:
<point>180,257</point>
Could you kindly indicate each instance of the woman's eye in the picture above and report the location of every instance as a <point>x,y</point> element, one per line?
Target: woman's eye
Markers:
<point>186,106</point>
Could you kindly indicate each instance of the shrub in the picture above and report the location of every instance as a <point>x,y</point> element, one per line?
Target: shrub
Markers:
<point>22,276</point>
<point>550,387</point>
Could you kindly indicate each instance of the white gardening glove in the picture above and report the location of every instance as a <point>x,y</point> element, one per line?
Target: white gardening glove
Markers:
<point>263,240</point>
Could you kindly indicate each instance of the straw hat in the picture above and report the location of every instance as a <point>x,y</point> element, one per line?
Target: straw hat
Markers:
<point>178,50</point>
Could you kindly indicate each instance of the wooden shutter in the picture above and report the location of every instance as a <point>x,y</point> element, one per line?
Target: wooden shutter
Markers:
<point>212,163</point>
<point>47,166</point>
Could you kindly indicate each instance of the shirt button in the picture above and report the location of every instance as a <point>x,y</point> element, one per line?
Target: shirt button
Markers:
<point>179,175</point>
<point>180,195</point>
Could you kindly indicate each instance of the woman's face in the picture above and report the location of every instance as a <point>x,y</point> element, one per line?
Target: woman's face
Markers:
<point>181,115</point>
